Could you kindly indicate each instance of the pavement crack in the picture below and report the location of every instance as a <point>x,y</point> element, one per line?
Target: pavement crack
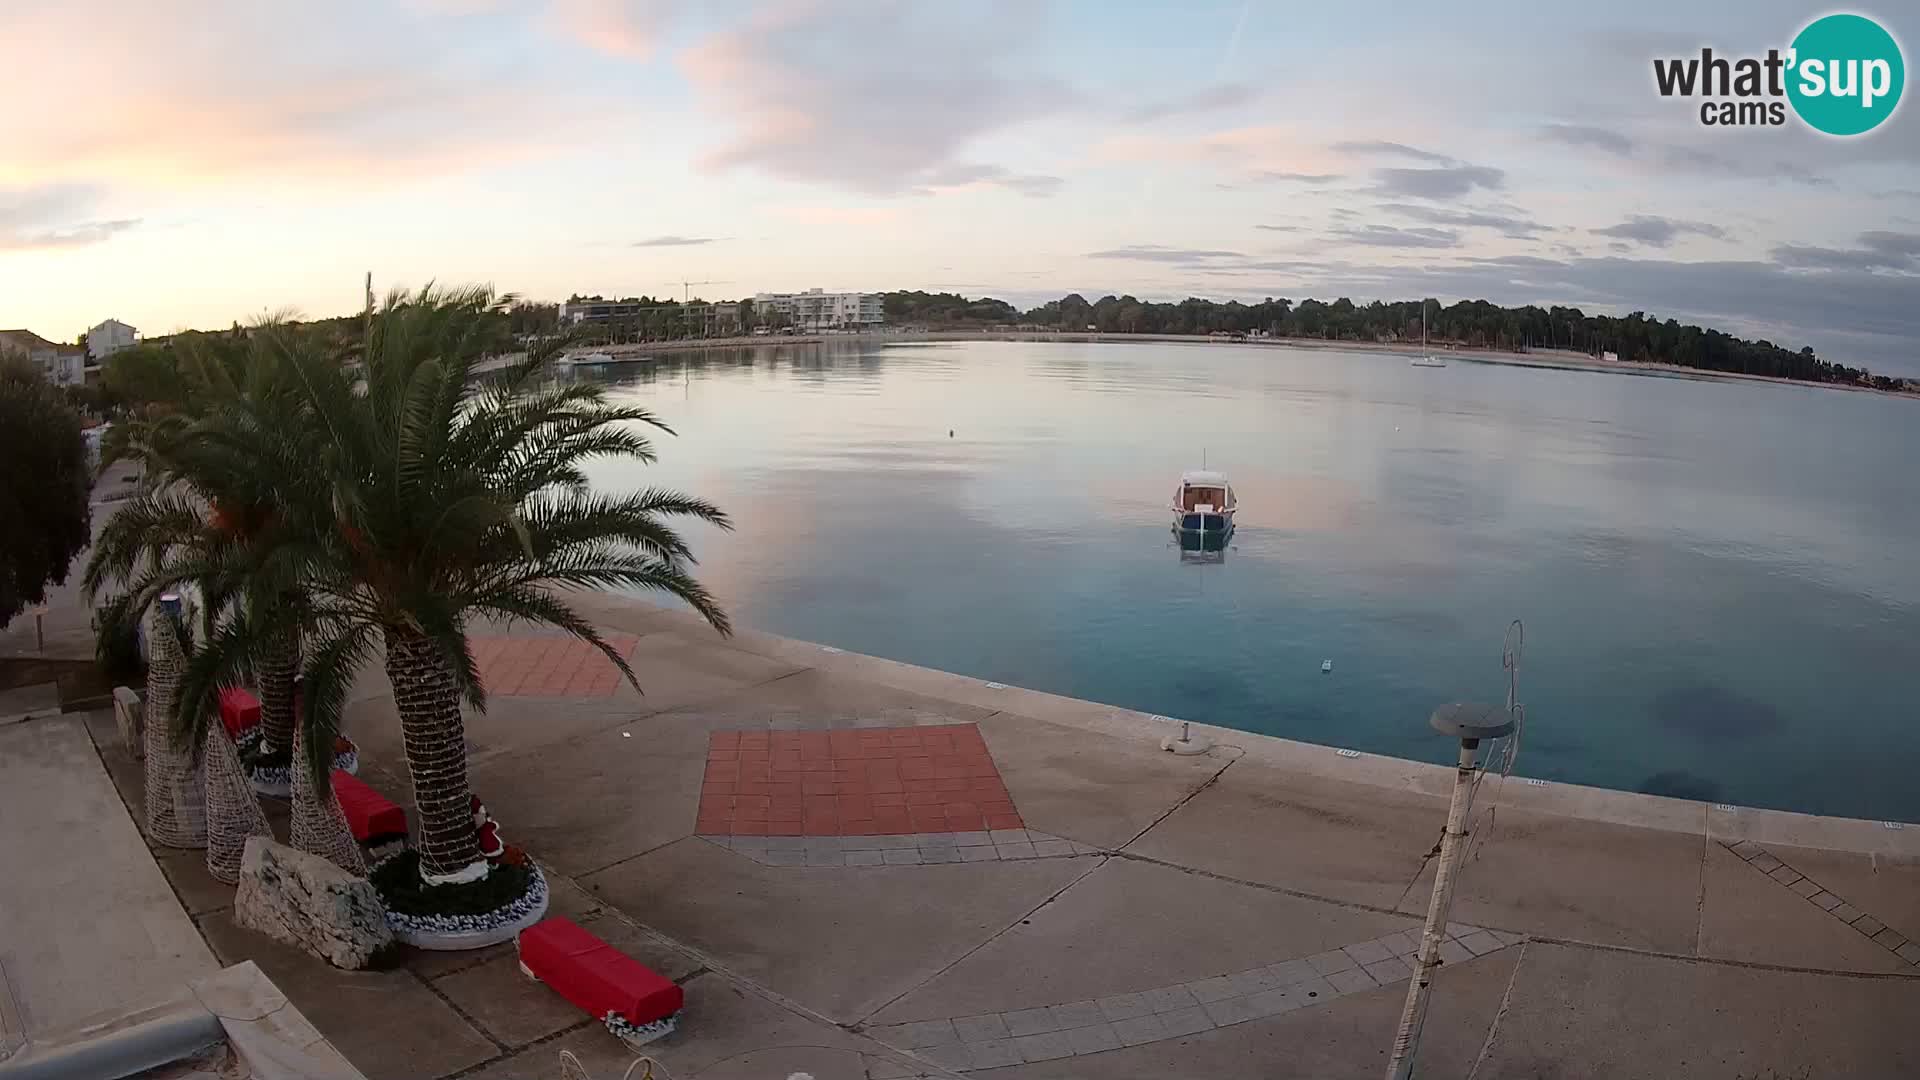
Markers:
<point>996,936</point>
<point>1185,799</point>
<point>1493,1027</point>
<point>1700,908</point>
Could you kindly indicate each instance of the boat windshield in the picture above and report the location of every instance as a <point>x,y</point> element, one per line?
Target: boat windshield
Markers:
<point>1197,496</point>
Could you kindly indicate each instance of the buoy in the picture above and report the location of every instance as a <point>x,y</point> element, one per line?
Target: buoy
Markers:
<point>1326,666</point>
<point>949,433</point>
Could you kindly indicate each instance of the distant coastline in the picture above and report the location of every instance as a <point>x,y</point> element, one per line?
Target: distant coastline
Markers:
<point>1552,359</point>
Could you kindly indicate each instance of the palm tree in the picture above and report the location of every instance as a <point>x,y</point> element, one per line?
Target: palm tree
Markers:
<point>210,520</point>
<point>448,493</point>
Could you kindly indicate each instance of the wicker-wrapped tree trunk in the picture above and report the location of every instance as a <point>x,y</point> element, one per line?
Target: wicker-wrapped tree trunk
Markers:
<point>428,700</point>
<point>233,814</point>
<point>276,665</point>
<point>176,807</point>
<point>319,826</point>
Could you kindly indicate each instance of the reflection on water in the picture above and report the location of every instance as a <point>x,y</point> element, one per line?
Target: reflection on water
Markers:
<point>1717,580</point>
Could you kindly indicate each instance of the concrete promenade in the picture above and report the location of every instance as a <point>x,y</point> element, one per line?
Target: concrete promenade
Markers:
<point>863,869</point>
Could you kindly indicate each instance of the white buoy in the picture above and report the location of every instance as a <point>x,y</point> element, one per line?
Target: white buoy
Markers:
<point>1326,666</point>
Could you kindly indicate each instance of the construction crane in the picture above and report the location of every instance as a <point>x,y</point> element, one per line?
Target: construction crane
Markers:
<point>686,299</point>
<point>686,287</point>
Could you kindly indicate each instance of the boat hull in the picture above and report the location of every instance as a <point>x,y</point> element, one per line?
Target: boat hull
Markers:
<point>1203,524</point>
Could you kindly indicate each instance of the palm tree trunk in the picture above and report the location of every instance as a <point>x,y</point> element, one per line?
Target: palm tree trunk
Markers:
<point>435,737</point>
<point>278,661</point>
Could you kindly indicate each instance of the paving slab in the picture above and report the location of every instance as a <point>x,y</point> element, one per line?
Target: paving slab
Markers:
<point>780,925</point>
<point>23,703</point>
<point>1603,1013</point>
<point>724,1028</point>
<point>1131,926</point>
<point>623,795</point>
<point>812,699</point>
<point>1884,886</point>
<point>1318,835</point>
<point>1097,789</point>
<point>1746,915</point>
<point>1347,1039</point>
<point>80,895</point>
<point>1577,879</point>
<point>564,898</point>
<point>387,1023</point>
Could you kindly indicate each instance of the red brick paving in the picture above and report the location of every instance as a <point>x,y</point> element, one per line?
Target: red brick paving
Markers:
<point>548,666</point>
<point>852,782</point>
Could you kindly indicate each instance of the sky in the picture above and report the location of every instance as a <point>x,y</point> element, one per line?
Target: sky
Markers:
<point>201,162</point>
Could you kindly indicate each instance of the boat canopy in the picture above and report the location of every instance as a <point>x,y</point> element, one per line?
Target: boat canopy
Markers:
<point>1203,478</point>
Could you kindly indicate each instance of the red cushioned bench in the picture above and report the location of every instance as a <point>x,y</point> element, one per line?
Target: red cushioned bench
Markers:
<point>239,710</point>
<point>373,817</point>
<point>599,978</point>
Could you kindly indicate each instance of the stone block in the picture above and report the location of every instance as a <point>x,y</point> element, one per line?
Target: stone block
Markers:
<point>129,714</point>
<point>306,901</point>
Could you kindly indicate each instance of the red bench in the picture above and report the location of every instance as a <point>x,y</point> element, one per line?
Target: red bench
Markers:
<point>594,975</point>
<point>239,710</point>
<point>373,817</point>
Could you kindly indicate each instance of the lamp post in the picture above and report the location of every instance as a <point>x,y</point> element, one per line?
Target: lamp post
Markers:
<point>1470,724</point>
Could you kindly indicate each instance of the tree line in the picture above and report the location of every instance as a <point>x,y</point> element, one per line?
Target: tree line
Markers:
<point>1467,323</point>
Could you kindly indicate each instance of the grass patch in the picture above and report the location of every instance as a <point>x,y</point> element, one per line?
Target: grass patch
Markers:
<point>398,881</point>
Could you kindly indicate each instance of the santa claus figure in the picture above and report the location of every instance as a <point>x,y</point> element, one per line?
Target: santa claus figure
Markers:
<point>487,831</point>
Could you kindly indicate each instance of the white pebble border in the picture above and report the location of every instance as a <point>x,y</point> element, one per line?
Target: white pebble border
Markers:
<point>904,849</point>
<point>459,932</point>
<point>1017,1036</point>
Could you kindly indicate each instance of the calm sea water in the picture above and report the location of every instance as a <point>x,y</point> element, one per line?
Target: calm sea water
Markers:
<point>1720,582</point>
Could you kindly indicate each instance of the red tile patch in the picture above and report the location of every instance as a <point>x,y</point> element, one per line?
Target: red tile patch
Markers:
<point>852,782</point>
<point>548,666</point>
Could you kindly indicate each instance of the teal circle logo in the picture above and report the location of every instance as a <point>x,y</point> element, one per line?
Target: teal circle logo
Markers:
<point>1847,74</point>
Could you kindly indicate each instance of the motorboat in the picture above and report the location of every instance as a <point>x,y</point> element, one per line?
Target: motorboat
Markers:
<point>1203,505</point>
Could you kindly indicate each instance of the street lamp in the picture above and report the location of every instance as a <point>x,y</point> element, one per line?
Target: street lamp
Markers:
<point>1471,724</point>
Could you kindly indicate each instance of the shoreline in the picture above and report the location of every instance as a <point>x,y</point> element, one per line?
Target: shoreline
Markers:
<point>1544,359</point>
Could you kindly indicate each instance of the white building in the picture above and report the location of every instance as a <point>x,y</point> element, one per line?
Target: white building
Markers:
<point>817,310</point>
<point>63,365</point>
<point>109,338</point>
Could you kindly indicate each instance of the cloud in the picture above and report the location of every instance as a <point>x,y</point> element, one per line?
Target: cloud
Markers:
<point>1892,242</point>
<point>1270,176</point>
<point>855,98</point>
<point>293,95</point>
<point>630,28</point>
<point>1451,182</point>
<point>1378,147</point>
<point>1388,236</point>
<point>1509,225</point>
<point>1654,231</point>
<point>55,216</point>
<point>1613,142</point>
<point>1159,254</point>
<point>671,240</point>
<point>1690,160</point>
<point>964,176</point>
<point>1879,250</point>
<point>1225,95</point>
<point>1279,228</point>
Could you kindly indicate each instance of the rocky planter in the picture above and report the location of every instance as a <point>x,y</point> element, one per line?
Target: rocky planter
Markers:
<point>451,931</point>
<point>306,901</point>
